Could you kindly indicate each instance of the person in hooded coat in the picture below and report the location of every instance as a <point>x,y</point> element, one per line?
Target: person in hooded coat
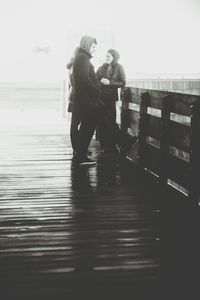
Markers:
<point>111,75</point>
<point>87,101</point>
<point>75,118</point>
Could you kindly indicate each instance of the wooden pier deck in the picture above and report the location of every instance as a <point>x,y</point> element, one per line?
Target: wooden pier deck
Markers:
<point>75,232</point>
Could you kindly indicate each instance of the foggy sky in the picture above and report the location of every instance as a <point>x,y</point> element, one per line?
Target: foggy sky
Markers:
<point>153,36</point>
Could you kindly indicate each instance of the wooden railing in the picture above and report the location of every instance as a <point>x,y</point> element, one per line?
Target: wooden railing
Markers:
<point>168,126</point>
<point>181,85</point>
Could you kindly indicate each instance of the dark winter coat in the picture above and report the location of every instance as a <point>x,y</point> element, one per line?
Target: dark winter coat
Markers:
<point>115,73</point>
<point>87,90</point>
<point>69,67</point>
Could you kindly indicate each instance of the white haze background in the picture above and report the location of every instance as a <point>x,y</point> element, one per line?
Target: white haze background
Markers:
<point>153,36</point>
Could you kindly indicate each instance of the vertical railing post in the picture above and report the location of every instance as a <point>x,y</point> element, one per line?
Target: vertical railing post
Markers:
<point>194,186</point>
<point>164,139</point>
<point>125,114</point>
<point>144,102</point>
<point>118,105</point>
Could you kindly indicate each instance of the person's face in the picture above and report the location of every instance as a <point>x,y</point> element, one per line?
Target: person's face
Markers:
<point>92,48</point>
<point>109,58</point>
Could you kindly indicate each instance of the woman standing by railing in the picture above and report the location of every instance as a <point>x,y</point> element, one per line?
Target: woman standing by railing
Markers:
<point>112,76</point>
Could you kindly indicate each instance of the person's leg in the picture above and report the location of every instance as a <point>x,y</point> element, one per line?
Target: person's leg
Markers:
<point>109,144</point>
<point>112,131</point>
<point>74,128</point>
<point>112,107</point>
<point>86,131</point>
<point>101,130</point>
<point>105,141</point>
<point>101,137</point>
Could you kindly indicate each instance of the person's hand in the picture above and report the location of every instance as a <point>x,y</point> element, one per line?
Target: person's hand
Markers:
<point>105,81</point>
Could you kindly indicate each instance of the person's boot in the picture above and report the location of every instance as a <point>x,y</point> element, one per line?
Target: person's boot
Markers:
<point>85,161</point>
<point>87,153</point>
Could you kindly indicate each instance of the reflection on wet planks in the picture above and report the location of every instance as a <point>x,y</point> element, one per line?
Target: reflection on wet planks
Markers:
<point>69,231</point>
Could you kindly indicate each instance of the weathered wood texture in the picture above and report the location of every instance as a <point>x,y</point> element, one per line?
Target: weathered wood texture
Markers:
<point>168,126</point>
<point>69,232</point>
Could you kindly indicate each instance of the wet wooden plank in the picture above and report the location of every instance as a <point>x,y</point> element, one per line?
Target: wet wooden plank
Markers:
<point>61,224</point>
<point>68,231</point>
